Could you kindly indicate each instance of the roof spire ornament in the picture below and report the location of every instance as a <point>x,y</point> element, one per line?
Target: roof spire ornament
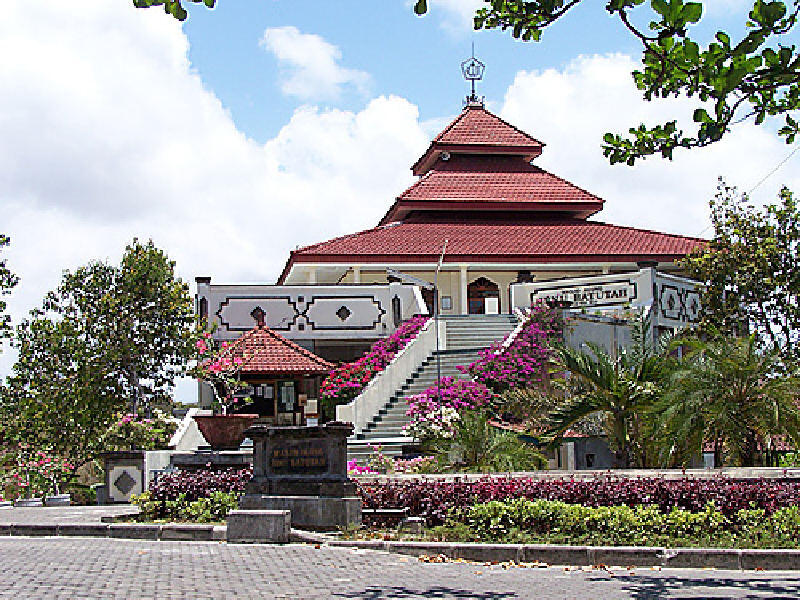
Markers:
<point>473,69</point>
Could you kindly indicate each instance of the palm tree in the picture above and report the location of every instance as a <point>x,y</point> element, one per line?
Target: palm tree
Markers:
<point>621,386</point>
<point>729,393</point>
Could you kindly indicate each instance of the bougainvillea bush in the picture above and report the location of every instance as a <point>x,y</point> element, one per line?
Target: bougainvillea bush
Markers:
<point>433,499</point>
<point>436,411</point>
<point>346,381</point>
<point>524,362</point>
<point>140,432</point>
<point>33,473</point>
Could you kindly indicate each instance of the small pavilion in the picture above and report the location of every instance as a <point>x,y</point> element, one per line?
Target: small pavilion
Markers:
<point>282,377</point>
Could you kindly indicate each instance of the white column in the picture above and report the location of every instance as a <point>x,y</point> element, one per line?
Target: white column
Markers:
<point>463,287</point>
<point>311,275</point>
<point>356,274</point>
<point>606,269</point>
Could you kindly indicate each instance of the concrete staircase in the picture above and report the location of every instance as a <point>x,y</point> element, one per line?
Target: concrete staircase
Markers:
<point>465,336</point>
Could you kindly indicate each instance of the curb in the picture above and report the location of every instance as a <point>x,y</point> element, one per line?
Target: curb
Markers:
<point>639,556</point>
<point>197,532</point>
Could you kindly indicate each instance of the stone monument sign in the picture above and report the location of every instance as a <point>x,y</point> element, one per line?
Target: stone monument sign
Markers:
<point>304,470</point>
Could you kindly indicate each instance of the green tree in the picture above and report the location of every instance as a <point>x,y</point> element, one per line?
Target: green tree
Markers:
<point>750,270</point>
<point>107,338</point>
<point>7,282</point>
<point>733,78</point>
<point>621,386</point>
<point>727,393</point>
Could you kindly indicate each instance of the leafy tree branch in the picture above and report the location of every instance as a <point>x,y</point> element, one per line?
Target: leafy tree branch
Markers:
<point>754,77</point>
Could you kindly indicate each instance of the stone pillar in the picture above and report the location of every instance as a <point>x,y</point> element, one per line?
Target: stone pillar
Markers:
<point>463,290</point>
<point>356,274</point>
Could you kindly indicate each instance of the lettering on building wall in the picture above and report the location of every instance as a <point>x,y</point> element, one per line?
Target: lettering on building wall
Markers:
<point>594,295</point>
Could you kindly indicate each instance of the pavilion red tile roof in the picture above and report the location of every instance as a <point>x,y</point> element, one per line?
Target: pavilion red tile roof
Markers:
<point>513,240</point>
<point>265,352</point>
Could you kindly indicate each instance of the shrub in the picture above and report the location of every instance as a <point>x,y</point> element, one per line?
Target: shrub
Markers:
<point>435,412</point>
<point>521,519</point>
<point>433,499</point>
<point>30,472</point>
<point>211,509</point>
<point>479,446</point>
<point>171,491</point>
<point>136,431</point>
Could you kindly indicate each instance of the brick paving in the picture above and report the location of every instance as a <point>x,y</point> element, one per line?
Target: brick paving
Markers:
<point>107,568</point>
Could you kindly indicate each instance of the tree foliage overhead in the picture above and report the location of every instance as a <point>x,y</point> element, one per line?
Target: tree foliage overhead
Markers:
<point>750,270</point>
<point>172,7</point>
<point>7,282</point>
<point>108,336</point>
<point>732,79</point>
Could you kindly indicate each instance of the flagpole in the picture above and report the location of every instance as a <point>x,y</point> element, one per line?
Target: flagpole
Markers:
<point>436,320</point>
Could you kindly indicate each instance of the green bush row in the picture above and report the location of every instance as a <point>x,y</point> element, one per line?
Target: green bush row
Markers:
<point>211,509</point>
<point>522,520</point>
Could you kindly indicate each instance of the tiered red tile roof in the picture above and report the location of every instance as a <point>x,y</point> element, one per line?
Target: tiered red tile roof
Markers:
<point>479,191</point>
<point>493,183</point>
<point>264,352</point>
<point>513,241</point>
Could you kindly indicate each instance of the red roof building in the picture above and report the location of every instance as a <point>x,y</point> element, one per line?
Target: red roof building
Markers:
<point>505,220</point>
<point>280,375</point>
<point>262,352</point>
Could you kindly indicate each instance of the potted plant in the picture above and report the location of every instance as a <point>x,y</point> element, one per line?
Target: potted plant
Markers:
<point>221,369</point>
<point>37,477</point>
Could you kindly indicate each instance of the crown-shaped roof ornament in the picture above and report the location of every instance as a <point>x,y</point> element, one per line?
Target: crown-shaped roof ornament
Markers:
<point>473,69</point>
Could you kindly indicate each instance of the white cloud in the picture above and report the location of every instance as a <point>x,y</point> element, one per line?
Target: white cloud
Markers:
<point>107,133</point>
<point>310,65</point>
<point>571,109</point>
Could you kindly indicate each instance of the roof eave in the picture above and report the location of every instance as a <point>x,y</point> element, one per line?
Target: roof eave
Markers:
<point>435,150</point>
<point>403,207</point>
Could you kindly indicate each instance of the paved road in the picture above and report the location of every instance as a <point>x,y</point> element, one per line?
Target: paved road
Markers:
<point>106,568</point>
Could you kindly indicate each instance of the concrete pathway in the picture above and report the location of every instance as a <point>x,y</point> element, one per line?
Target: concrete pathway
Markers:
<point>44,515</point>
<point>34,568</point>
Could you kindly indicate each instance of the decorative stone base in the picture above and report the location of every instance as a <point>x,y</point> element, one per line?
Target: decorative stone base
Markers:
<point>28,502</point>
<point>258,526</point>
<point>309,512</point>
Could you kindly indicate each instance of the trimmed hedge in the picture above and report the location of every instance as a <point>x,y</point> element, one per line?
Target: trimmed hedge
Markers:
<point>434,499</point>
<point>523,520</point>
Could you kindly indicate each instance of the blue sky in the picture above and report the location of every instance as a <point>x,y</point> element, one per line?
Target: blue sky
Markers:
<point>267,124</point>
<point>403,54</point>
<point>410,56</point>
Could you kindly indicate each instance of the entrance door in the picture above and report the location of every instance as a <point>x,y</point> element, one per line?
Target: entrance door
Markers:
<point>478,291</point>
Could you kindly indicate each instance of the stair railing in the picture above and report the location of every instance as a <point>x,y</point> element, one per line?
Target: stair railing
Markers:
<point>521,318</point>
<point>362,409</point>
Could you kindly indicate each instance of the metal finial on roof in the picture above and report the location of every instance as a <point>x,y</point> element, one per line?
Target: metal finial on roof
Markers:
<point>473,69</point>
